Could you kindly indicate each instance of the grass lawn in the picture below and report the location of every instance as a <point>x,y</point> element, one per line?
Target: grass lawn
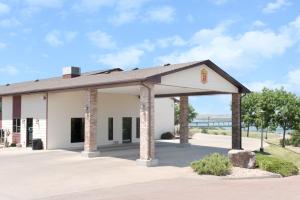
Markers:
<point>272,137</point>
<point>284,154</point>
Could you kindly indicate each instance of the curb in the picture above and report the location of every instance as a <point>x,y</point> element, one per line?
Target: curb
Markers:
<point>253,177</point>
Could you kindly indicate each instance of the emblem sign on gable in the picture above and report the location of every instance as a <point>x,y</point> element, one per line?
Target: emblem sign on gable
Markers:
<point>204,77</point>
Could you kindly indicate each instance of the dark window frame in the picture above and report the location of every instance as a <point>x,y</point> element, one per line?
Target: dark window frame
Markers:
<point>16,125</point>
<point>137,127</point>
<point>77,136</point>
<point>110,128</point>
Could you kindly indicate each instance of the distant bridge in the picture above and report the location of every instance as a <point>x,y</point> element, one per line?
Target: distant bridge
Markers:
<point>211,121</point>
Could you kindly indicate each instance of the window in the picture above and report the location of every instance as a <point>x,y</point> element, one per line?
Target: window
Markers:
<point>110,128</point>
<point>77,130</point>
<point>16,125</point>
<point>137,125</point>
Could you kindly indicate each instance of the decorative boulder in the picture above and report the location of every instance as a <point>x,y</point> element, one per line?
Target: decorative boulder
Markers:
<point>242,158</point>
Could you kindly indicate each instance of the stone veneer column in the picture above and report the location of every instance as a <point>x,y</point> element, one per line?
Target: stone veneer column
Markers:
<point>183,120</point>
<point>90,129</point>
<point>147,142</point>
<point>236,122</point>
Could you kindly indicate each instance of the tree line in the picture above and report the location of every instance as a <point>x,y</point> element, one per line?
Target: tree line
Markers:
<point>270,109</point>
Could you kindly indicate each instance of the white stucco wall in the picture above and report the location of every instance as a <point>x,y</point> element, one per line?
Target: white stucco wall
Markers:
<point>116,106</point>
<point>64,106</point>
<point>34,106</point>
<point>193,75</point>
<point>7,115</point>
<point>61,108</point>
<point>164,116</point>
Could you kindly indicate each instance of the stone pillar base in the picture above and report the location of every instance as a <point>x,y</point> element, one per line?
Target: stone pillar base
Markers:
<point>184,145</point>
<point>147,163</point>
<point>91,154</point>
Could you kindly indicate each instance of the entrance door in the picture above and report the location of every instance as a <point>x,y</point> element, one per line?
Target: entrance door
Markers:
<point>29,125</point>
<point>127,129</point>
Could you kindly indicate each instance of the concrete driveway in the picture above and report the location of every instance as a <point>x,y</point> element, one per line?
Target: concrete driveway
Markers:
<point>60,174</point>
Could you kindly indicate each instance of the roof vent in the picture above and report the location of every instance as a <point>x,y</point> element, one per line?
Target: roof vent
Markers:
<point>167,64</point>
<point>71,72</point>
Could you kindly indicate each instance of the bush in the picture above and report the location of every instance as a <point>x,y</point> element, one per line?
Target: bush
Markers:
<point>276,165</point>
<point>204,130</point>
<point>214,164</point>
<point>167,136</point>
<point>13,145</point>
<point>294,140</point>
<point>287,142</point>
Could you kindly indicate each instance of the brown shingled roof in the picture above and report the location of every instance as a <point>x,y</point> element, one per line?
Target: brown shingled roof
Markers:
<point>117,77</point>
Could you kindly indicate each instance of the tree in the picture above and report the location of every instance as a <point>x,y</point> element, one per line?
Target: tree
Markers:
<point>287,113</point>
<point>191,115</point>
<point>267,107</point>
<point>248,110</point>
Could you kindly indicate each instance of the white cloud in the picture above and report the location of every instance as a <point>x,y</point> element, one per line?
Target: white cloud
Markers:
<point>35,6</point>
<point>70,35</point>
<point>125,58</point>
<point>236,51</point>
<point>259,85</point>
<point>45,3</point>
<point>219,2</point>
<point>2,45</point>
<point>258,24</point>
<point>291,82</point>
<point>101,39</point>
<point>57,38</point>
<point>92,5</point>
<point>163,14</point>
<point>9,22</point>
<point>53,39</point>
<point>275,5</point>
<point>170,41</point>
<point>4,9</point>
<point>127,11</point>
<point>9,70</point>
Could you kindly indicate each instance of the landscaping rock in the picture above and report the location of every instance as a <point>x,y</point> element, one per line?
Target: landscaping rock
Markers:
<point>242,158</point>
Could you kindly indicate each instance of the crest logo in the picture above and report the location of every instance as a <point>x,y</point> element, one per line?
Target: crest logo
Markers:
<point>204,77</point>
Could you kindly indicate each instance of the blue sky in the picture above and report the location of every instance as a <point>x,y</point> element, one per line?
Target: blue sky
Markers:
<point>257,42</point>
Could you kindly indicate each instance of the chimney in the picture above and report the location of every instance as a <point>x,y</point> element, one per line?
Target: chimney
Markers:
<point>71,72</point>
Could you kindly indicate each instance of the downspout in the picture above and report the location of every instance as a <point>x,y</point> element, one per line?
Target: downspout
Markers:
<point>149,120</point>
<point>46,147</point>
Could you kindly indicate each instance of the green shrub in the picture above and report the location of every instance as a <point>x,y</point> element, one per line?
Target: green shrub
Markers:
<point>287,142</point>
<point>214,164</point>
<point>215,133</point>
<point>167,136</point>
<point>13,145</point>
<point>276,165</point>
<point>295,138</point>
<point>204,130</point>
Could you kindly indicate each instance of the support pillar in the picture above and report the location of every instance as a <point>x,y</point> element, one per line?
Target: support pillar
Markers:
<point>147,142</point>
<point>183,120</point>
<point>90,128</point>
<point>236,122</point>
